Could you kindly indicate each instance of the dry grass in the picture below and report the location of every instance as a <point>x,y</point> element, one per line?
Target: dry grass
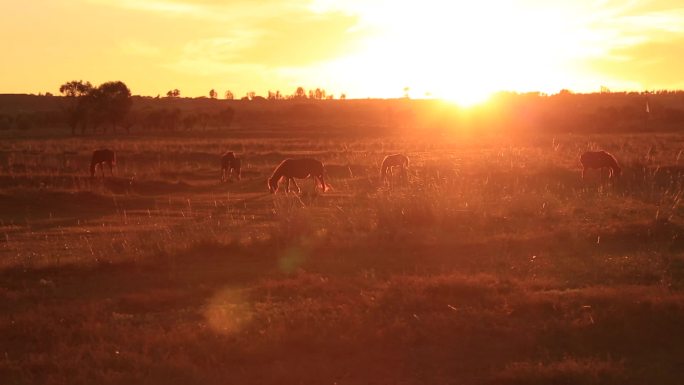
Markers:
<point>496,265</point>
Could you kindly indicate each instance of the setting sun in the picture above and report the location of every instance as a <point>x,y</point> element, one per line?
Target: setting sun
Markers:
<point>465,52</point>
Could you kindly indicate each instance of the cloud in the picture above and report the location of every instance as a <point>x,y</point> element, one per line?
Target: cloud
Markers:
<point>654,64</point>
<point>274,42</point>
<point>307,39</point>
<point>211,10</point>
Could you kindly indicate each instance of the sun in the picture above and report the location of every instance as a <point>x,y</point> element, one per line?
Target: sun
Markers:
<point>468,99</point>
<point>464,51</point>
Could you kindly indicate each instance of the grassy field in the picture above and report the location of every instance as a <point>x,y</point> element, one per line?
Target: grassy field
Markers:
<point>496,264</point>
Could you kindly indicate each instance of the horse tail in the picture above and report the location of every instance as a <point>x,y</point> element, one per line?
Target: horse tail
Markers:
<point>614,165</point>
<point>383,169</point>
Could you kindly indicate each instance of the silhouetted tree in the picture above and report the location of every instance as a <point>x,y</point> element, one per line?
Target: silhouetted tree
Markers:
<point>174,93</point>
<point>229,95</point>
<point>300,93</point>
<point>250,95</point>
<point>274,95</point>
<point>213,94</point>
<point>164,119</point>
<point>75,88</point>
<point>76,104</point>
<point>113,102</point>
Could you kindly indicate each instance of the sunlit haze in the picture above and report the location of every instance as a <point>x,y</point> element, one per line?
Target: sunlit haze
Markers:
<point>462,51</point>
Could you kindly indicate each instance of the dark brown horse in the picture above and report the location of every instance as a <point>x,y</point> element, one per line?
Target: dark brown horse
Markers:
<point>297,168</point>
<point>100,157</point>
<point>229,164</point>
<point>400,161</point>
<point>600,160</point>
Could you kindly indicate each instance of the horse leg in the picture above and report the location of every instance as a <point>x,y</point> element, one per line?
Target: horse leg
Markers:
<point>111,169</point>
<point>584,170</point>
<point>299,190</point>
<point>322,182</point>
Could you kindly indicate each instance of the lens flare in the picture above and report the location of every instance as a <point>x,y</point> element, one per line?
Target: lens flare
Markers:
<point>228,312</point>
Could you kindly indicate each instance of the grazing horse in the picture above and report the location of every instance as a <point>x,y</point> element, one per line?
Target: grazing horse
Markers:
<point>100,157</point>
<point>230,164</point>
<point>392,161</point>
<point>600,160</point>
<point>296,168</point>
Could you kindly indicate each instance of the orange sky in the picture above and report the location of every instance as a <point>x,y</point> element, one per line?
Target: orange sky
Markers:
<point>364,48</point>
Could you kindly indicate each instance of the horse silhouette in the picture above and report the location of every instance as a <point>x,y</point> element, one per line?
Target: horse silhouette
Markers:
<point>389,163</point>
<point>229,164</point>
<point>600,160</point>
<point>100,157</point>
<point>296,168</point>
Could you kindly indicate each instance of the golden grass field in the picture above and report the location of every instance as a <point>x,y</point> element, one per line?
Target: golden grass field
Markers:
<point>496,264</point>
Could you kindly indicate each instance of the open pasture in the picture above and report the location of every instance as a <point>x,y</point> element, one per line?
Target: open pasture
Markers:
<point>496,264</point>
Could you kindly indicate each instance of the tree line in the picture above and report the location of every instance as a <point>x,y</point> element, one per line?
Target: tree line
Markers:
<point>109,106</point>
<point>299,94</point>
<point>104,106</point>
